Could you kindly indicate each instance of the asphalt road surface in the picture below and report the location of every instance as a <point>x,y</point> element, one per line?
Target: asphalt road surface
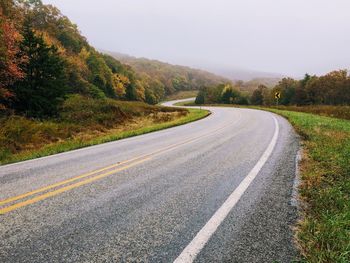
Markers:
<point>215,190</point>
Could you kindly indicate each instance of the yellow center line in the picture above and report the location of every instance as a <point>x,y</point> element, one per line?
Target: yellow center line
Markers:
<point>15,198</point>
<point>66,188</point>
<point>142,158</point>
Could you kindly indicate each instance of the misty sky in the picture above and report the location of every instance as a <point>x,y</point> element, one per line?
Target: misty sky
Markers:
<point>281,36</point>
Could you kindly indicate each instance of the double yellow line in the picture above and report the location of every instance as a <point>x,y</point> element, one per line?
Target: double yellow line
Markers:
<point>69,184</point>
<point>88,178</point>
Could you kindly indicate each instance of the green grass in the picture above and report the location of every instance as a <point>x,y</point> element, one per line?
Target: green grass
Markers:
<point>323,233</point>
<point>72,144</point>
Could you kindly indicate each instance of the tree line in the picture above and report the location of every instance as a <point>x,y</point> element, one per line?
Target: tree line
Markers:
<point>222,93</point>
<point>330,89</point>
<point>169,78</point>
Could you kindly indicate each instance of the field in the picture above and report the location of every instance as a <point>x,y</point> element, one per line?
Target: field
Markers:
<point>85,123</point>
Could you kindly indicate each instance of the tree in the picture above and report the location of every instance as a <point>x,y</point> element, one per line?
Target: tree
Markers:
<point>200,99</point>
<point>9,69</point>
<point>287,88</point>
<point>229,94</point>
<point>43,88</point>
<point>334,88</point>
<point>257,97</point>
<point>150,97</point>
<point>241,100</point>
<point>101,74</point>
<point>301,97</point>
<point>140,91</point>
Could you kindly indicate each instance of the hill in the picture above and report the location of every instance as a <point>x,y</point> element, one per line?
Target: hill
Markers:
<point>32,32</point>
<point>172,78</point>
<point>58,93</point>
<point>236,74</point>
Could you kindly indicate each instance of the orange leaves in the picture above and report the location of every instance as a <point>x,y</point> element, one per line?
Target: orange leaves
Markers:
<point>9,61</point>
<point>120,83</point>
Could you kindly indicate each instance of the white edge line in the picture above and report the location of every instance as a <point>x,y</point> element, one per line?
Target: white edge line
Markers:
<point>192,250</point>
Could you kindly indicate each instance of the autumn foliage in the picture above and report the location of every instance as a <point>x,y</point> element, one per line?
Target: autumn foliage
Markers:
<point>9,61</point>
<point>44,60</point>
<point>330,89</point>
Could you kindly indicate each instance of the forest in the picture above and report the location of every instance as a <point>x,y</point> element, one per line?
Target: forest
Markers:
<point>330,89</point>
<point>170,78</point>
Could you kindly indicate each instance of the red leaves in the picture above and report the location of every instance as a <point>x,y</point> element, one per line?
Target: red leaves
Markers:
<point>9,61</point>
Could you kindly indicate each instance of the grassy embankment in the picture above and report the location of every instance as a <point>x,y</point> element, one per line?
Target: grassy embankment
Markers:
<point>85,122</point>
<point>323,232</point>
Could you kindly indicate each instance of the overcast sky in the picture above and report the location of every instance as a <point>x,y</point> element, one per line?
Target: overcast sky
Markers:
<point>281,36</point>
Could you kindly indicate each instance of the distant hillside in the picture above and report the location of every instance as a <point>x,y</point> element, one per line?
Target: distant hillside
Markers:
<point>243,74</point>
<point>251,85</point>
<point>194,79</point>
<point>172,77</point>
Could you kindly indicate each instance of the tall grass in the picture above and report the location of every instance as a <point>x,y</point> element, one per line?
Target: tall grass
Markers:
<point>22,139</point>
<point>324,230</point>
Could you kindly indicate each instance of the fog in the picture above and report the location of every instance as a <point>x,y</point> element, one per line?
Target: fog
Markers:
<point>289,37</point>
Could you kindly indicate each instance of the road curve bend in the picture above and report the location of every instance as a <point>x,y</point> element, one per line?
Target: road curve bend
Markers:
<point>215,190</point>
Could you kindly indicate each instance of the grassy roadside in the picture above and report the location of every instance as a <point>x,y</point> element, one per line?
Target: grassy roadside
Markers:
<point>323,233</point>
<point>138,128</point>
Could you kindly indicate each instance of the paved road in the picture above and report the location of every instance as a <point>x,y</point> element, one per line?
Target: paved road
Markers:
<point>216,190</point>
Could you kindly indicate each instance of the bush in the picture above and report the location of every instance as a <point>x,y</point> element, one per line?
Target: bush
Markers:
<point>89,111</point>
<point>18,133</point>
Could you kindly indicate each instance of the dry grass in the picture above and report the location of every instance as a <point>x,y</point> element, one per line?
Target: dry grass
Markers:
<point>23,139</point>
<point>80,119</point>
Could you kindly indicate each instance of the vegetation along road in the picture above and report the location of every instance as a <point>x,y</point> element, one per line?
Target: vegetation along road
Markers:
<point>217,189</point>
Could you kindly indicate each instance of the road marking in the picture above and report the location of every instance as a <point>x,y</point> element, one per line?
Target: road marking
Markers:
<point>197,244</point>
<point>66,188</point>
<point>92,179</point>
<point>15,198</point>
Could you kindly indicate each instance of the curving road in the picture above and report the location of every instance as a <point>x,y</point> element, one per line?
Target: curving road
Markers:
<point>216,190</point>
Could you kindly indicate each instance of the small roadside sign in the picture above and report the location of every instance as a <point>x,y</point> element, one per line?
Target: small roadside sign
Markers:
<point>277,97</point>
